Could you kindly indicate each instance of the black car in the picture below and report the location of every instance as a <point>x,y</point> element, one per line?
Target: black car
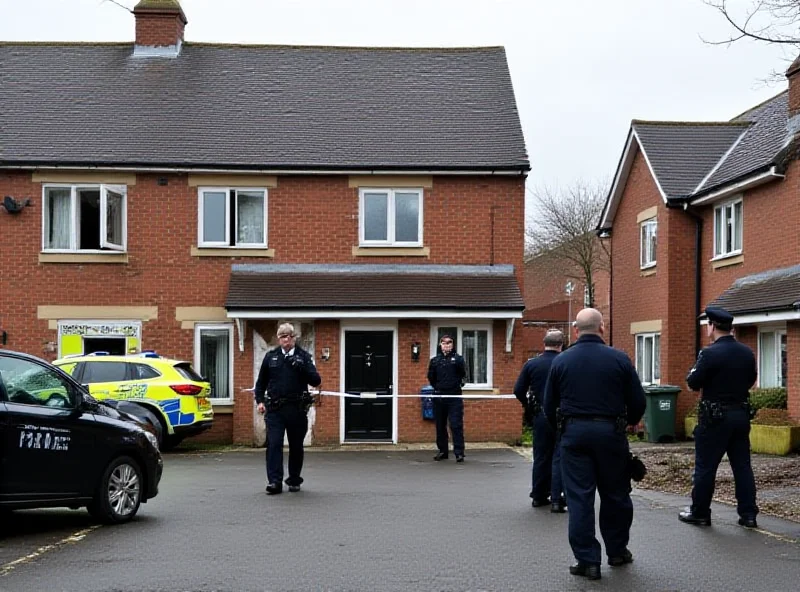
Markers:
<point>59,447</point>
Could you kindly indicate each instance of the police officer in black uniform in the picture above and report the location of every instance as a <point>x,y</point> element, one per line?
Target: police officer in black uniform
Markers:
<point>593,392</point>
<point>546,486</point>
<point>724,371</point>
<point>281,392</point>
<point>446,373</point>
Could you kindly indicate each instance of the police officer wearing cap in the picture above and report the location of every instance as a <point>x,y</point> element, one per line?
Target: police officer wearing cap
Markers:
<point>281,393</point>
<point>597,392</point>
<point>546,487</point>
<point>724,373</point>
<point>446,373</point>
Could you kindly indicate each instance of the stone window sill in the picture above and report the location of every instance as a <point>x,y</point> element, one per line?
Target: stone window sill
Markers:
<point>82,258</point>
<point>727,261</point>
<point>198,252</point>
<point>391,251</point>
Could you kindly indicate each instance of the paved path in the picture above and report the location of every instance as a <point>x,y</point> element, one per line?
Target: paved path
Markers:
<point>388,520</point>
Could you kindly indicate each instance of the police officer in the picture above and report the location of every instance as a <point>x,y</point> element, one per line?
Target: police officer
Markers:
<point>597,392</point>
<point>446,373</point>
<point>724,371</point>
<point>281,392</point>
<point>529,389</point>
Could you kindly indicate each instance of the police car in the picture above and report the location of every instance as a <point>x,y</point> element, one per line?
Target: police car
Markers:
<point>60,447</point>
<point>167,393</point>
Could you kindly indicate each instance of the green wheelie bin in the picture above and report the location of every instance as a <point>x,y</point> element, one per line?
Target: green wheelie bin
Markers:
<point>659,416</point>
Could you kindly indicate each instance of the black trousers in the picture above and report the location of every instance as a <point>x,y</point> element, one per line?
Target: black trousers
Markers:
<point>731,435</point>
<point>594,458</point>
<point>452,410</point>
<point>290,419</point>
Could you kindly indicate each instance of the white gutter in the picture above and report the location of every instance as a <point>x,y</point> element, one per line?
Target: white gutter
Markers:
<point>764,317</point>
<point>764,177</point>
<point>136,169</point>
<point>372,314</point>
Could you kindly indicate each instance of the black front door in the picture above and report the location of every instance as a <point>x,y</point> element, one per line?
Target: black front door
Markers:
<point>368,371</point>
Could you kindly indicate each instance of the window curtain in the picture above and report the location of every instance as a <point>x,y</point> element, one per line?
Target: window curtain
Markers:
<point>214,356</point>
<point>250,217</point>
<point>59,209</point>
<point>768,368</point>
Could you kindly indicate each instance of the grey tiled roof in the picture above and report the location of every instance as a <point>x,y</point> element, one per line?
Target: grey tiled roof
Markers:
<point>774,290</point>
<point>259,107</point>
<point>365,287</point>
<point>759,146</point>
<point>682,154</point>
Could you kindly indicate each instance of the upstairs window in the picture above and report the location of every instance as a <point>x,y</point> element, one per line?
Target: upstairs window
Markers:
<point>390,217</point>
<point>728,229</point>
<point>647,243</point>
<point>84,218</point>
<point>648,357</point>
<point>232,217</point>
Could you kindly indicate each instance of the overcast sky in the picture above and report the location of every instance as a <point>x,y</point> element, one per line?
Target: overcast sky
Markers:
<point>582,69</point>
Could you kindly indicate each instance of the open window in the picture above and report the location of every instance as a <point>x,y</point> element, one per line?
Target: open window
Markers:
<point>84,218</point>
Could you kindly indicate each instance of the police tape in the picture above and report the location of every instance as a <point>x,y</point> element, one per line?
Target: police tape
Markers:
<point>368,395</point>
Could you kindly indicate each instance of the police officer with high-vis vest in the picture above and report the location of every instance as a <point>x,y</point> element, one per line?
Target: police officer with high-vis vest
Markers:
<point>546,486</point>
<point>724,372</point>
<point>592,393</point>
<point>281,393</point>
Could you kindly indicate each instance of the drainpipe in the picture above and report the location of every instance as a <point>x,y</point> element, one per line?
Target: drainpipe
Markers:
<point>698,235</point>
<point>605,234</point>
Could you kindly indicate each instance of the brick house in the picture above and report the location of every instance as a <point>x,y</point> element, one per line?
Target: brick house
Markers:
<point>188,197</point>
<point>705,213</point>
<point>548,304</point>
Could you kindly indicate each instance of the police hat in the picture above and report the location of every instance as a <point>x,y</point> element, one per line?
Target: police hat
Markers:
<point>720,317</point>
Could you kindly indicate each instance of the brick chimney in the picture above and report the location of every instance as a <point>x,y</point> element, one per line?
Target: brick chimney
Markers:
<point>793,74</point>
<point>159,27</point>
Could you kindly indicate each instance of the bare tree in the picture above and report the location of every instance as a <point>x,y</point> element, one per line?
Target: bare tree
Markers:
<point>770,21</point>
<point>563,225</point>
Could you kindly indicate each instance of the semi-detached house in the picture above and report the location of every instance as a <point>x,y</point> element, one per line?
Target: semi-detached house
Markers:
<point>706,213</point>
<point>186,197</point>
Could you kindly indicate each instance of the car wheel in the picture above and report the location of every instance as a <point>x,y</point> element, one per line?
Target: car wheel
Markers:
<point>171,442</point>
<point>120,492</point>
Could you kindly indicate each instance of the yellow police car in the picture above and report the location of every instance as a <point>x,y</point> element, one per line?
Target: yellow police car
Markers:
<point>167,393</point>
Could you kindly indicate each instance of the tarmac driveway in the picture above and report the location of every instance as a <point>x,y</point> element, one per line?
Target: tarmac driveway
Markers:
<point>386,520</point>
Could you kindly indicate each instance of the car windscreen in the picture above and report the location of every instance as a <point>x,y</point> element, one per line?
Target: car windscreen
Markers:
<point>94,372</point>
<point>185,369</point>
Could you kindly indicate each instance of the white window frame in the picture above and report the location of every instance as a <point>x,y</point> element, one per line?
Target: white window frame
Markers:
<point>74,217</point>
<point>648,237</point>
<point>777,334</point>
<point>226,244</point>
<point>198,329</point>
<point>737,220</point>
<point>390,219</point>
<point>462,326</point>
<point>641,338</point>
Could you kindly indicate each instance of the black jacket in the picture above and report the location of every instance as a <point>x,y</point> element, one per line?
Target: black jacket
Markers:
<point>593,379</point>
<point>533,377</point>
<point>446,373</point>
<point>725,370</point>
<point>285,377</point>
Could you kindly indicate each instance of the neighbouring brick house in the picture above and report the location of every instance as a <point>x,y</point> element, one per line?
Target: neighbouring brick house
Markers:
<point>187,197</point>
<point>547,303</point>
<point>706,213</point>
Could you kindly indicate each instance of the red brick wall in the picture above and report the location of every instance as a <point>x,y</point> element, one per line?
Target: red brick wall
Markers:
<point>311,220</point>
<point>793,369</point>
<point>158,30</point>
